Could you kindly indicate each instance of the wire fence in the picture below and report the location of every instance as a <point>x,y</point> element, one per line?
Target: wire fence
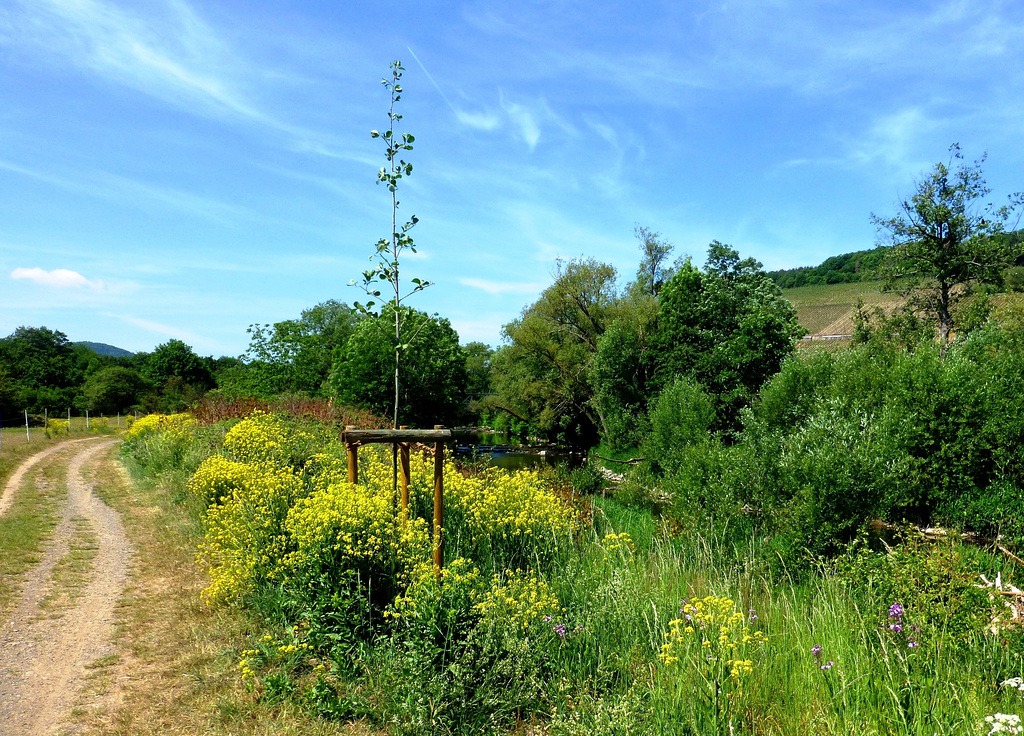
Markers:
<point>26,426</point>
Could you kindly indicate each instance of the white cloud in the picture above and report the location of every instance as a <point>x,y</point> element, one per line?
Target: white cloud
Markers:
<point>165,51</point>
<point>59,278</point>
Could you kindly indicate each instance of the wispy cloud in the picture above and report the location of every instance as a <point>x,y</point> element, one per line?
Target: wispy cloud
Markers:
<point>477,120</point>
<point>161,329</point>
<point>896,141</point>
<point>122,189</point>
<point>162,49</point>
<point>524,120</point>
<point>58,278</point>
<point>501,287</point>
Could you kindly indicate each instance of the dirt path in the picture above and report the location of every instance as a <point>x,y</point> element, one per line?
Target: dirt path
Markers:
<point>44,655</point>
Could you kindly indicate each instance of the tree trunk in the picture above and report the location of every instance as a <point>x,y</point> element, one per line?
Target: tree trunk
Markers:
<point>945,319</point>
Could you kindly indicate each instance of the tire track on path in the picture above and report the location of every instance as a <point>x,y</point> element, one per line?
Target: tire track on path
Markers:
<point>43,660</point>
<point>18,475</point>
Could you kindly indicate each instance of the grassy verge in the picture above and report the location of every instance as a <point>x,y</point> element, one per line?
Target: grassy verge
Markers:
<point>178,668</point>
<point>633,627</point>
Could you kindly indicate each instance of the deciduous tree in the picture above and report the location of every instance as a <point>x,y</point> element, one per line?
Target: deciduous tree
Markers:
<point>435,370</point>
<point>43,367</point>
<point>726,327</point>
<point>542,373</point>
<point>945,239</point>
<point>389,250</point>
<point>297,354</point>
<point>114,389</point>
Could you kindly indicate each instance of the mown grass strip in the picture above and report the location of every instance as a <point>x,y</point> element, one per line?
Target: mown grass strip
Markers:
<point>31,518</point>
<point>72,572</point>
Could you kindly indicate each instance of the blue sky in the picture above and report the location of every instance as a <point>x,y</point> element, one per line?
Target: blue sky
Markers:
<point>170,168</point>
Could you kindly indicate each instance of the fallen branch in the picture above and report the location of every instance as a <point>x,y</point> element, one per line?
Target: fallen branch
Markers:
<point>631,461</point>
<point>937,533</point>
<point>1010,554</point>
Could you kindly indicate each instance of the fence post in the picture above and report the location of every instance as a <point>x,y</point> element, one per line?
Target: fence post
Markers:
<point>403,453</point>
<point>28,434</point>
<point>438,504</point>
<point>352,450</point>
<point>87,419</point>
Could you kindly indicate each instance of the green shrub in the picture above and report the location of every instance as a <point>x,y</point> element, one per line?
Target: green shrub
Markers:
<point>682,417</point>
<point>935,583</point>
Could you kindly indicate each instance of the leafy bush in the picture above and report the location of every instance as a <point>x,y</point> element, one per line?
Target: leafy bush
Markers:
<point>682,417</point>
<point>348,538</point>
<point>57,427</point>
<point>246,541</point>
<point>934,582</point>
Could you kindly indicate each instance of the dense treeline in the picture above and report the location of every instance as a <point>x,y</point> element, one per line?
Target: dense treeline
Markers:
<point>848,268</point>
<point>585,361</point>
<point>881,430</point>
<point>41,370</point>
<point>328,353</point>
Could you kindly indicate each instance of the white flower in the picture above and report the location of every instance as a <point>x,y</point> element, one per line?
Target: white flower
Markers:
<point>1004,723</point>
<point>1017,683</point>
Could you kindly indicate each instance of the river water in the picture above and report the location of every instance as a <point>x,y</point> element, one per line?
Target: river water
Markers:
<point>508,452</point>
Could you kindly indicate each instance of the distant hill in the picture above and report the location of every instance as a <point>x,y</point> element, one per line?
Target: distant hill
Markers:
<point>849,268</point>
<point>861,265</point>
<point>103,349</point>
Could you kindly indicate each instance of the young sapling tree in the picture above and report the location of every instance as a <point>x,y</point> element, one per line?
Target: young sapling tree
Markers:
<point>385,273</point>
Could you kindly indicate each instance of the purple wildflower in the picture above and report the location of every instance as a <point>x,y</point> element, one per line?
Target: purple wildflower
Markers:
<point>816,650</point>
<point>895,611</point>
<point>752,615</point>
<point>828,665</point>
<point>559,629</point>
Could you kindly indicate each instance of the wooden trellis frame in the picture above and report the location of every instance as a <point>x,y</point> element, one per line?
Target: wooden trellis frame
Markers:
<point>403,438</point>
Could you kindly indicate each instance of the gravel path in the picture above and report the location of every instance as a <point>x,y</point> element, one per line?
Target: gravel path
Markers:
<point>43,659</point>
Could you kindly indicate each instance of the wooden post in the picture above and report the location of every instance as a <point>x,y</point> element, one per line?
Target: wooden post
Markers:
<point>403,451</point>
<point>28,434</point>
<point>352,450</point>
<point>438,505</point>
